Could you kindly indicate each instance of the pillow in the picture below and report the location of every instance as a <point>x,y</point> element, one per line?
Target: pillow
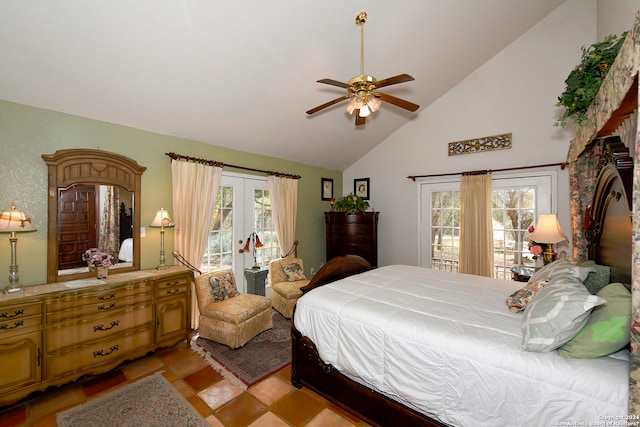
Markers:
<point>518,300</point>
<point>293,270</point>
<point>557,313</point>
<point>597,279</point>
<point>562,266</point>
<point>223,287</point>
<point>608,328</point>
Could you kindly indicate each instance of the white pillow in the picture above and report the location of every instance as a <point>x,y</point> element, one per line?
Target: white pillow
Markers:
<point>557,313</point>
<point>562,266</point>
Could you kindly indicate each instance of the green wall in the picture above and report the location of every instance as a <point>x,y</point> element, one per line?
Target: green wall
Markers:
<point>26,133</point>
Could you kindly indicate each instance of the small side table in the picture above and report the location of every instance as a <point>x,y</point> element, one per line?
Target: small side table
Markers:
<point>255,280</point>
<point>522,273</point>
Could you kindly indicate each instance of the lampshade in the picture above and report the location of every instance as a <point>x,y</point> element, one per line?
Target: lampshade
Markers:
<point>374,103</point>
<point>364,111</point>
<point>15,221</point>
<point>356,103</point>
<point>548,230</point>
<point>162,219</point>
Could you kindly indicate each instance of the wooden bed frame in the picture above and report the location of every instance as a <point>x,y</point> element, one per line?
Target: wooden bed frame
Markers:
<point>608,225</point>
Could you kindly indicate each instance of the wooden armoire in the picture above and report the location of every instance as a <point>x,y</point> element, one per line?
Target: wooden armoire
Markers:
<point>352,234</point>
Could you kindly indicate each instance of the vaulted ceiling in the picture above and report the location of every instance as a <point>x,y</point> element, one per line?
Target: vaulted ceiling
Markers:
<point>241,74</point>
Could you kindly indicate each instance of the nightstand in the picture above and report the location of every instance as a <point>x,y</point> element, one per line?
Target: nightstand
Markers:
<point>522,273</point>
<point>255,280</point>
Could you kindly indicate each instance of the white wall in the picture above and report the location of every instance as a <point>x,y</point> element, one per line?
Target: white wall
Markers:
<point>514,92</point>
<point>615,16</point>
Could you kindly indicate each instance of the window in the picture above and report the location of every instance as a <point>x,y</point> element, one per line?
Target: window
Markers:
<point>516,201</point>
<point>242,206</point>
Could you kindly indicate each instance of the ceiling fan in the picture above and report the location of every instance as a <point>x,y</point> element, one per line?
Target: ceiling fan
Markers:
<point>363,89</point>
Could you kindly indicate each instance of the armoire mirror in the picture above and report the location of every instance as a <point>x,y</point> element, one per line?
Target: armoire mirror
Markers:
<point>94,201</point>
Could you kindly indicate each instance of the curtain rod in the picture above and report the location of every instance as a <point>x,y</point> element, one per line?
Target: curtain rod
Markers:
<point>478,172</point>
<point>175,156</point>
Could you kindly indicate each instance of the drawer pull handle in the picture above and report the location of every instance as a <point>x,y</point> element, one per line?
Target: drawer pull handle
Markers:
<point>102,328</point>
<point>172,283</point>
<point>38,356</point>
<point>9,316</point>
<point>173,291</point>
<point>106,297</point>
<point>107,307</point>
<point>102,353</point>
<point>5,326</point>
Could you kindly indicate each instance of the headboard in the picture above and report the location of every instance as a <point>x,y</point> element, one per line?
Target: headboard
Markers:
<point>608,226</point>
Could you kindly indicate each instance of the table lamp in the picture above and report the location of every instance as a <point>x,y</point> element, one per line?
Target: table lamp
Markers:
<point>14,221</point>
<point>548,232</point>
<point>257,244</point>
<point>162,220</point>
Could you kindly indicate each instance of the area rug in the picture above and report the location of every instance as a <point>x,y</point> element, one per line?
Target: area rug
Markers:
<point>268,352</point>
<point>151,401</point>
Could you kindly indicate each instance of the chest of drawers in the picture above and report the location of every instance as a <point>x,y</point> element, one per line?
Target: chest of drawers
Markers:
<point>55,333</point>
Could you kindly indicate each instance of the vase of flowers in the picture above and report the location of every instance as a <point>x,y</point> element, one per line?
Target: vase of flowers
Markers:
<point>351,204</point>
<point>537,249</point>
<point>99,261</point>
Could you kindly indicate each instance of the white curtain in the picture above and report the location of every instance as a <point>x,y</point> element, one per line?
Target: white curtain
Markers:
<point>195,187</point>
<point>476,225</point>
<point>284,206</point>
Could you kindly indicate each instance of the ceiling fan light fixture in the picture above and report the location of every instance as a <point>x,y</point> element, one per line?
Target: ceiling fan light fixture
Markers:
<point>362,90</point>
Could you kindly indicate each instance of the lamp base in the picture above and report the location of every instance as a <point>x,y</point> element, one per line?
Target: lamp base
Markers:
<point>549,255</point>
<point>14,287</point>
<point>162,267</point>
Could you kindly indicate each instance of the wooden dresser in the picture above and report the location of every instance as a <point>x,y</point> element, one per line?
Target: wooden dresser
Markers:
<point>352,234</point>
<point>53,334</point>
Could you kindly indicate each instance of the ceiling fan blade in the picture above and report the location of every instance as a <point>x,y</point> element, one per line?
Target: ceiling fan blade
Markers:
<point>359,120</point>
<point>401,78</point>
<point>397,101</point>
<point>334,83</point>
<point>328,104</point>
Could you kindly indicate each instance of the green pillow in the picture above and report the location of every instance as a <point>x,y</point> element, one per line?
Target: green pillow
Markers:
<point>608,328</point>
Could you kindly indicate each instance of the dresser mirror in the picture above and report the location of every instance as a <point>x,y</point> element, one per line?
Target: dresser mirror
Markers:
<point>93,202</point>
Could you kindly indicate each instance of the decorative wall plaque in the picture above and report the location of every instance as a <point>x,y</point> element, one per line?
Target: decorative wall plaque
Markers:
<point>487,143</point>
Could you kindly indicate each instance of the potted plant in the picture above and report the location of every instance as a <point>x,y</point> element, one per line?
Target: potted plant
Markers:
<point>584,81</point>
<point>351,204</point>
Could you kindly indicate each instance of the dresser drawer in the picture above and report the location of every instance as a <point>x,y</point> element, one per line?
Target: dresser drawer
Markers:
<point>101,296</point>
<point>18,325</point>
<point>67,334</point>
<point>168,292</point>
<point>95,354</point>
<point>19,311</point>
<point>98,308</point>
<point>173,282</point>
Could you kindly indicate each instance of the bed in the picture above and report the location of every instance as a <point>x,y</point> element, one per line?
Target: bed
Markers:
<point>125,253</point>
<point>404,345</point>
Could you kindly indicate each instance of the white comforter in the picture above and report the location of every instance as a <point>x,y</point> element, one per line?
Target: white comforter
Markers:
<point>446,344</point>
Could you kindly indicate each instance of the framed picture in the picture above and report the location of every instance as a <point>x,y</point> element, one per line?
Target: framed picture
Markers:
<point>327,189</point>
<point>361,188</point>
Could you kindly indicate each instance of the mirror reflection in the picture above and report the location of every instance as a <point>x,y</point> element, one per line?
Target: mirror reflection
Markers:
<point>94,216</point>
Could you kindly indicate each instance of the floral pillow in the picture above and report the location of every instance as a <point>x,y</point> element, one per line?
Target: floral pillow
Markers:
<point>518,300</point>
<point>293,270</point>
<point>223,287</point>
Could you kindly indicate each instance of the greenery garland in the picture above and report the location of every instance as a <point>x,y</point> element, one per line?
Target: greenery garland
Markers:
<point>585,80</point>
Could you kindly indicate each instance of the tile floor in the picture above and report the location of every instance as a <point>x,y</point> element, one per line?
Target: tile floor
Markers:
<point>271,402</point>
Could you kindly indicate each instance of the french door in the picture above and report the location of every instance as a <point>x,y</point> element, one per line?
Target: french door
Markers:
<point>242,206</point>
<point>516,202</point>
